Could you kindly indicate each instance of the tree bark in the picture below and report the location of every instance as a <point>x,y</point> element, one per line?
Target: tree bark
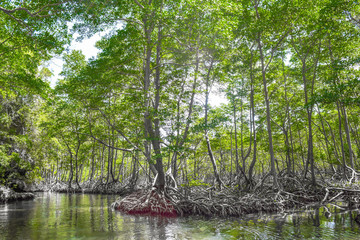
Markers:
<point>208,144</point>
<point>268,114</point>
<point>151,113</point>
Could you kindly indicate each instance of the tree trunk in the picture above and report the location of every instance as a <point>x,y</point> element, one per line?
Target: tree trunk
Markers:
<point>341,140</point>
<point>268,115</point>
<point>208,144</point>
<point>190,110</point>
<point>347,132</point>
<point>236,140</point>
<point>252,118</point>
<point>151,115</point>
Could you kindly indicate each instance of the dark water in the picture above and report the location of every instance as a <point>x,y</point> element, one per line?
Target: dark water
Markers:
<point>82,216</point>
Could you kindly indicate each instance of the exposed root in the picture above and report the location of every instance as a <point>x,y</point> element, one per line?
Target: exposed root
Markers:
<point>97,187</point>
<point>225,203</point>
<point>294,194</point>
<point>146,202</point>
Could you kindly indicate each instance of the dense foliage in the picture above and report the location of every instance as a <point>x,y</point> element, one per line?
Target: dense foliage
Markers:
<point>143,108</point>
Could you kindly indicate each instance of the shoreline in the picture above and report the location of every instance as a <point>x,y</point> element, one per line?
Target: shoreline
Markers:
<point>208,201</point>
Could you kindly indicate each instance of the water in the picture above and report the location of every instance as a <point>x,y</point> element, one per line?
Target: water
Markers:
<point>85,216</point>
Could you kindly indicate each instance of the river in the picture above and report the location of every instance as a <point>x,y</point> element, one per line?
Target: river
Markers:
<point>88,216</point>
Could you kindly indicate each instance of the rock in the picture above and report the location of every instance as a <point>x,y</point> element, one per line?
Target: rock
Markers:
<point>8,195</point>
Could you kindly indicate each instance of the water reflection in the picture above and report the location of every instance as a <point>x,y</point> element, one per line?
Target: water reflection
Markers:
<point>82,216</point>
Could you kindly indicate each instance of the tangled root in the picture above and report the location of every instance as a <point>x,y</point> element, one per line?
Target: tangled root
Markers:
<point>146,202</point>
<point>293,194</point>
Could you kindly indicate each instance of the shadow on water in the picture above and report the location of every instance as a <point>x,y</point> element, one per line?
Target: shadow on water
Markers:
<point>86,216</point>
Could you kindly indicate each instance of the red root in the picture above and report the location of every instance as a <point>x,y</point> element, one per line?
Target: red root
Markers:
<point>146,202</point>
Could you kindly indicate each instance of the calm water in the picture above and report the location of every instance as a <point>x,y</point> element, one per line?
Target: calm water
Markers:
<point>83,216</point>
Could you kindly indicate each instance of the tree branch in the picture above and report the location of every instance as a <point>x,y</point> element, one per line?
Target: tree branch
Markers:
<point>139,4</point>
<point>35,14</point>
<point>107,145</point>
<point>118,130</point>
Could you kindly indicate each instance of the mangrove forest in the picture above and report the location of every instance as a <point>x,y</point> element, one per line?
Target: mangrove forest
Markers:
<point>190,107</point>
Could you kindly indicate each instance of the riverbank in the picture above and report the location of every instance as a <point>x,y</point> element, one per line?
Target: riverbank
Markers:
<point>9,195</point>
<point>294,194</point>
